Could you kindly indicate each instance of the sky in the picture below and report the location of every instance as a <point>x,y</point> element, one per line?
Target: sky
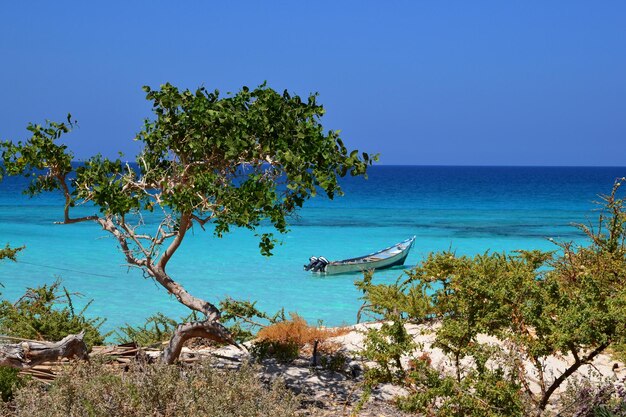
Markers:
<point>420,82</point>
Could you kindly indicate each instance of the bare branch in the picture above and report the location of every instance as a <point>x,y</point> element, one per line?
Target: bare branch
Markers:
<point>131,234</point>
<point>569,371</point>
<point>108,225</point>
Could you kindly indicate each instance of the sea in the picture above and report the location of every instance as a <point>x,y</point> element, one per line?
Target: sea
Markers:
<point>468,210</point>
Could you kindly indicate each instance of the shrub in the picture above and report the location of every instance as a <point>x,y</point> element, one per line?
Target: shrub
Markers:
<point>157,329</point>
<point>281,351</point>
<point>298,331</point>
<point>154,390</point>
<point>539,304</point>
<point>385,347</point>
<point>9,381</point>
<point>585,399</point>
<point>38,315</point>
<point>284,340</point>
<point>334,362</point>
<point>9,253</point>
<point>243,319</point>
<point>482,391</point>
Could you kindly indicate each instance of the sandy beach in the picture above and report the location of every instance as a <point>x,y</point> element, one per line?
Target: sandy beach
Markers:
<point>329,393</point>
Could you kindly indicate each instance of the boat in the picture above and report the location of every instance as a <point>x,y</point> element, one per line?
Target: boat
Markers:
<point>385,258</point>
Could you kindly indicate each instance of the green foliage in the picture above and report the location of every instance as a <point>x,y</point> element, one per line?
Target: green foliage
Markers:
<point>39,155</point>
<point>571,301</point>
<point>9,382</point>
<point>386,347</point>
<point>251,156</point>
<point>243,319</point>
<point>38,315</point>
<point>585,399</point>
<point>399,300</point>
<point>9,253</point>
<point>481,392</point>
<point>282,351</point>
<point>241,160</point>
<point>335,362</point>
<point>157,329</point>
<point>93,389</point>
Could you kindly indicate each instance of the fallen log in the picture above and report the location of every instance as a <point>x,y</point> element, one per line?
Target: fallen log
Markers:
<point>26,354</point>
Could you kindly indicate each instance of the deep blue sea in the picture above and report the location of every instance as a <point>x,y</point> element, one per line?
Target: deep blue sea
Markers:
<point>467,209</point>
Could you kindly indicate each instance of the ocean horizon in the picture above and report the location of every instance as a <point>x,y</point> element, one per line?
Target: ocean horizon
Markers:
<point>468,209</point>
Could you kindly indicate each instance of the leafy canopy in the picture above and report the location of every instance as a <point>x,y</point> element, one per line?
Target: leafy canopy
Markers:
<point>232,161</point>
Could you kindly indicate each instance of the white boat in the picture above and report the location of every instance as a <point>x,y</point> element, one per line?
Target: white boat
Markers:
<point>385,258</point>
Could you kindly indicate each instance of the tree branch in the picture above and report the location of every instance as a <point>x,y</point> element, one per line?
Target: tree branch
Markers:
<point>180,235</point>
<point>569,371</point>
<point>68,199</point>
<point>208,329</point>
<point>131,233</point>
<point>108,225</point>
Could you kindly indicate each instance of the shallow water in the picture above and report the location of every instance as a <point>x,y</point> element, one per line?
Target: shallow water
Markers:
<point>468,209</point>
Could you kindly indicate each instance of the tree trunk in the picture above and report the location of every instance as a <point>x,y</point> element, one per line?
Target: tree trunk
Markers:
<point>181,294</point>
<point>25,355</point>
<point>210,328</point>
<point>568,372</point>
<point>207,329</point>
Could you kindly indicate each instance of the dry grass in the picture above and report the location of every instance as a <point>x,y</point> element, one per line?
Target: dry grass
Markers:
<point>298,332</point>
<point>152,390</point>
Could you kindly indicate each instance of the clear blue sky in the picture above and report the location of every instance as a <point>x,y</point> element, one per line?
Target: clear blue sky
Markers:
<point>421,82</point>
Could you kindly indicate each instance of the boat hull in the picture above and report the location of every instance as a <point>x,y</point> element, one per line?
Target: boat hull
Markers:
<point>339,268</point>
<point>386,258</point>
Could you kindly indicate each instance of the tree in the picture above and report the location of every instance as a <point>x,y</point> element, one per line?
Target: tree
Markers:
<point>539,304</point>
<point>207,161</point>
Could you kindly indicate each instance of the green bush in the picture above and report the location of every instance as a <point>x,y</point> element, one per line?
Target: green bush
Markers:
<point>9,253</point>
<point>335,362</point>
<point>482,391</point>
<point>9,381</point>
<point>571,301</point>
<point>154,390</point>
<point>157,329</point>
<point>47,313</point>
<point>243,319</point>
<point>281,351</point>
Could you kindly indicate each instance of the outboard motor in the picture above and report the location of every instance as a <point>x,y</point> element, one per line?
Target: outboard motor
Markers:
<point>320,265</point>
<point>312,261</point>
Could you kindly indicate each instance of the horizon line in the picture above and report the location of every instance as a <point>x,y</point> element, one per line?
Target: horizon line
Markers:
<point>502,166</point>
<point>466,165</point>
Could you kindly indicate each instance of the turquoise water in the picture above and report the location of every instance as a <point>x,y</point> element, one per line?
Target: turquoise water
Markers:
<point>468,209</point>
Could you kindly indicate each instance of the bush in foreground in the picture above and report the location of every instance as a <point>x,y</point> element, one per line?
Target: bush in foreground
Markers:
<point>569,302</point>
<point>157,329</point>
<point>152,390</point>
<point>47,313</point>
<point>9,381</point>
<point>286,339</point>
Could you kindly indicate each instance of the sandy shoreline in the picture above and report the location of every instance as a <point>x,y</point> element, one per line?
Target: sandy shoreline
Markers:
<point>336,393</point>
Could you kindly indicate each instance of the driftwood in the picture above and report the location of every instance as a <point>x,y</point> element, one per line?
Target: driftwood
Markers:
<point>26,354</point>
<point>207,329</point>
